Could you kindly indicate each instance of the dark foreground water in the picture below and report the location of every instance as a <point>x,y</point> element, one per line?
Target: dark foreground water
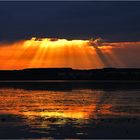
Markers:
<point>69,110</point>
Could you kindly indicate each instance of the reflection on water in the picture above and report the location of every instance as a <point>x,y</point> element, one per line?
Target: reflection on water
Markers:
<point>76,113</point>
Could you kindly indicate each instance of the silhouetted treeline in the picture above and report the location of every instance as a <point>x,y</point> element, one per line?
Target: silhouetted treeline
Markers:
<point>71,74</point>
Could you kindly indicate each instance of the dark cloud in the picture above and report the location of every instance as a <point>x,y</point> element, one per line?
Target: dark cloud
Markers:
<point>114,21</point>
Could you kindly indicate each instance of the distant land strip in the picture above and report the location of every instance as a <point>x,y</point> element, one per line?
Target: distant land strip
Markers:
<point>130,74</point>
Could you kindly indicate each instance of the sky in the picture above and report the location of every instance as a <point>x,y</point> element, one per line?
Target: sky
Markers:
<point>112,21</point>
<point>80,35</point>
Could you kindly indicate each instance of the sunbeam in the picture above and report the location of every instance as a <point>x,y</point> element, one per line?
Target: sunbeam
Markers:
<point>77,54</point>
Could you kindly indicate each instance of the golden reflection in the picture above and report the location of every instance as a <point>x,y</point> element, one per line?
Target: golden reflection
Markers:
<point>41,109</point>
<point>77,105</point>
<point>38,106</point>
<point>47,104</point>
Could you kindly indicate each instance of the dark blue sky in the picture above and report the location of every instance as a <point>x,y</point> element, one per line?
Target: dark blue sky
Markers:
<point>113,21</point>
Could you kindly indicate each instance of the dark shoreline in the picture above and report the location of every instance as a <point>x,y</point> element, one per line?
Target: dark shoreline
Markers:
<point>106,74</point>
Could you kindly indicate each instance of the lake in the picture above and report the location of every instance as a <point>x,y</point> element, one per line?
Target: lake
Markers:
<point>74,110</point>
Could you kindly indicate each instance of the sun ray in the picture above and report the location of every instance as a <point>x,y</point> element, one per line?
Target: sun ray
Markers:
<point>77,54</point>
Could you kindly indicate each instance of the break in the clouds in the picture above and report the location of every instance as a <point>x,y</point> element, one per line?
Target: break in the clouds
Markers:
<point>77,54</point>
<point>112,21</point>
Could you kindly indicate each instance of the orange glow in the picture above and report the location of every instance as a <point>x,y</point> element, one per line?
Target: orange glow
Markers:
<point>49,104</point>
<point>78,54</point>
<point>40,106</point>
<point>33,105</point>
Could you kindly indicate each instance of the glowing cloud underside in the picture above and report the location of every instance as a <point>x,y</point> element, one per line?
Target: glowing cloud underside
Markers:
<point>78,54</point>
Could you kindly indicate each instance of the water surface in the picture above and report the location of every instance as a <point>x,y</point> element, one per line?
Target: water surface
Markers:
<point>78,110</point>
